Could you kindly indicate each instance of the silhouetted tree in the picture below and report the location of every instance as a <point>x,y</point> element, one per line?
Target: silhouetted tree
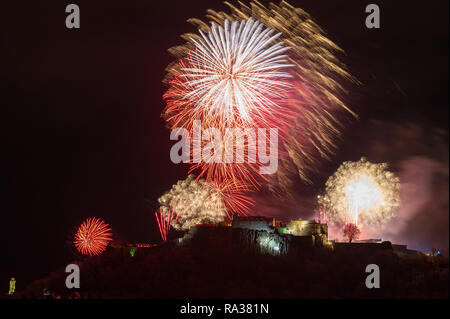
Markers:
<point>351,231</point>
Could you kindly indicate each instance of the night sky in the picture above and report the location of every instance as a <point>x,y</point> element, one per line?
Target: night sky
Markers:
<point>83,136</point>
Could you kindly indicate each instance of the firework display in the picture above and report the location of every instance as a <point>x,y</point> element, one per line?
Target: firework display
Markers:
<point>92,237</point>
<point>236,150</point>
<point>362,193</point>
<point>199,202</point>
<point>259,67</point>
<point>235,72</point>
<point>163,223</point>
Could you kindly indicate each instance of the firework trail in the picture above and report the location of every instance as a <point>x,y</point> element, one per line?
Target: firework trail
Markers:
<point>362,193</point>
<point>92,237</point>
<point>260,67</point>
<point>199,202</point>
<point>163,223</point>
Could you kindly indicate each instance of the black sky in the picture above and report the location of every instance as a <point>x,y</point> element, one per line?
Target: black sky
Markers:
<point>81,124</point>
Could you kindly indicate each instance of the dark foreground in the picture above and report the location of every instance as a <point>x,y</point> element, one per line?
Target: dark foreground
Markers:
<point>214,269</point>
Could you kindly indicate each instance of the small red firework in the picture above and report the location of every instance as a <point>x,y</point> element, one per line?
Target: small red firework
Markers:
<point>323,217</point>
<point>163,223</point>
<point>92,237</point>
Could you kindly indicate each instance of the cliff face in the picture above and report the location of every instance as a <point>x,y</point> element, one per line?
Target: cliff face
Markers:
<point>297,235</point>
<point>257,238</point>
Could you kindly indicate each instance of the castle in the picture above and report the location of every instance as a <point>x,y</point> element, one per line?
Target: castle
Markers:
<point>269,235</point>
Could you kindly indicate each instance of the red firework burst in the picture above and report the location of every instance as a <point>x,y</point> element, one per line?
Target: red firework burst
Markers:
<point>259,67</point>
<point>92,237</point>
<point>235,197</point>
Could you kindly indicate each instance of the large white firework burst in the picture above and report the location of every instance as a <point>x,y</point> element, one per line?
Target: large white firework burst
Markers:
<point>361,192</point>
<point>237,68</point>
<point>257,66</point>
<point>193,202</point>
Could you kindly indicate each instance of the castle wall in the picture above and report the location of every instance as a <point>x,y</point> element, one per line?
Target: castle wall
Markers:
<point>305,228</point>
<point>258,233</point>
<point>253,224</point>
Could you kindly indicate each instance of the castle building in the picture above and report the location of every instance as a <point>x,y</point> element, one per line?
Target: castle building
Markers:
<point>277,237</point>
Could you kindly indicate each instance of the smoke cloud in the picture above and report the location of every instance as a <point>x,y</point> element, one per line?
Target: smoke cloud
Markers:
<point>418,156</point>
<point>423,218</point>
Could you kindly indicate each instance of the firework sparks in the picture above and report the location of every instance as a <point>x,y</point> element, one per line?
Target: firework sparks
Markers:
<point>361,193</point>
<point>260,67</point>
<point>199,202</point>
<point>92,237</point>
<point>236,68</point>
<point>163,223</point>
